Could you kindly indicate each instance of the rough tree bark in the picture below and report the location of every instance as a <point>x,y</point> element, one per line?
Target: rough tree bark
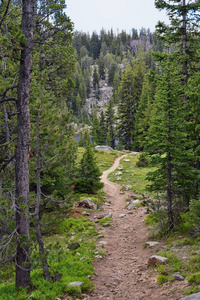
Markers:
<point>37,205</point>
<point>184,48</point>
<point>22,150</point>
<point>169,173</point>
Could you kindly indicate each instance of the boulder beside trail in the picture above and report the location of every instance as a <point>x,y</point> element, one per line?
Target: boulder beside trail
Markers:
<point>155,259</point>
<point>103,148</point>
<point>86,204</point>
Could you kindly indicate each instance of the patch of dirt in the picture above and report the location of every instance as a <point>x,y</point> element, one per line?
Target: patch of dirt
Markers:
<point>123,273</point>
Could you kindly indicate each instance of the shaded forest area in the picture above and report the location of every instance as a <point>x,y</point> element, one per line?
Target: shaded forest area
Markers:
<point>51,85</point>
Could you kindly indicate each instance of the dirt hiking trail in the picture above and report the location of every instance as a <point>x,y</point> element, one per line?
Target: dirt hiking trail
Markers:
<point>123,273</point>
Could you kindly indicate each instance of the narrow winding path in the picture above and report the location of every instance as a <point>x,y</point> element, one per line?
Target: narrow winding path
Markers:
<point>123,274</point>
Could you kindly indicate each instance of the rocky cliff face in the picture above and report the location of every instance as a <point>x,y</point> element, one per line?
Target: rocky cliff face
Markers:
<point>92,103</point>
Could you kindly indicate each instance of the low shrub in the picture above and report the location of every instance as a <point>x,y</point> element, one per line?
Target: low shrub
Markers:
<point>142,161</point>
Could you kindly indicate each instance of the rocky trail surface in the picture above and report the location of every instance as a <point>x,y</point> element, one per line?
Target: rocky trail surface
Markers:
<point>122,274</point>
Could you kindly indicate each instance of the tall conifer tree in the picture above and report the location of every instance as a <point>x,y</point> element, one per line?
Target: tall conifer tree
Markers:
<point>129,95</point>
<point>88,174</point>
<point>110,120</point>
<point>169,144</point>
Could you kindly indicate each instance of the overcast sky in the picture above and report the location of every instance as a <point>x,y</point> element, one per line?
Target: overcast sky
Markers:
<point>93,15</point>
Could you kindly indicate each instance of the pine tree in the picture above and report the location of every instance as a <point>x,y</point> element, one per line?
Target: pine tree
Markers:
<point>193,107</point>
<point>182,33</point>
<point>126,109</point>
<point>37,46</point>
<point>129,95</point>
<point>97,131</point>
<point>168,142</point>
<point>103,125</point>
<point>101,65</point>
<point>110,120</point>
<point>87,83</point>
<point>116,82</point>
<point>95,46</point>
<point>144,111</point>
<point>22,149</point>
<point>111,73</point>
<point>88,174</point>
<point>96,82</point>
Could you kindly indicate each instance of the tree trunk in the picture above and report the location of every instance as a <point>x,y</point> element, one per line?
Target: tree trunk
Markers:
<point>22,150</point>
<point>38,233</point>
<point>169,193</point>
<point>37,206</point>
<point>184,48</point>
<point>1,186</point>
<point>198,168</point>
<point>184,28</point>
<point>169,170</point>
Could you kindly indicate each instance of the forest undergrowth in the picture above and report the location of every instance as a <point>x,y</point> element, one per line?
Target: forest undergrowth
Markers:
<point>70,240</point>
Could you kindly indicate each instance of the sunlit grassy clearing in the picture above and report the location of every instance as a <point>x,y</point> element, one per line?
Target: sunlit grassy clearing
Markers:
<point>104,159</point>
<point>131,174</point>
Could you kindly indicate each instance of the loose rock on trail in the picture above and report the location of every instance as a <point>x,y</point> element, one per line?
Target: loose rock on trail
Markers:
<point>123,273</point>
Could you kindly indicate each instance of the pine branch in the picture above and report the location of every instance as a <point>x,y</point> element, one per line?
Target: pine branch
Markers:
<point>8,99</point>
<point>8,89</point>
<point>5,13</point>
<point>6,163</point>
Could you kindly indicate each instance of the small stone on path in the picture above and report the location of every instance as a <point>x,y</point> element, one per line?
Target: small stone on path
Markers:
<point>122,215</point>
<point>109,215</point>
<point>131,206</point>
<point>177,277</point>
<point>152,244</point>
<point>135,201</point>
<point>103,243</point>
<point>98,256</point>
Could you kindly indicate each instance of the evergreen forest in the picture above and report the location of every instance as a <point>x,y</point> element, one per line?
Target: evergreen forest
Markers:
<point>63,92</point>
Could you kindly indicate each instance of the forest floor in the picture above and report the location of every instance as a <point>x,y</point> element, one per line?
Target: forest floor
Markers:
<point>122,274</point>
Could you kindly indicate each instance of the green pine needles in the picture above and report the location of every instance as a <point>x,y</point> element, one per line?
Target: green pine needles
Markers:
<point>168,142</point>
<point>88,174</point>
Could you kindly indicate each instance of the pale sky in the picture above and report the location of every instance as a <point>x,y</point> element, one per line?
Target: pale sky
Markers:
<point>93,15</point>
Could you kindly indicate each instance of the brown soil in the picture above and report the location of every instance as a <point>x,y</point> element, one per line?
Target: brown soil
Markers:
<point>123,273</point>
